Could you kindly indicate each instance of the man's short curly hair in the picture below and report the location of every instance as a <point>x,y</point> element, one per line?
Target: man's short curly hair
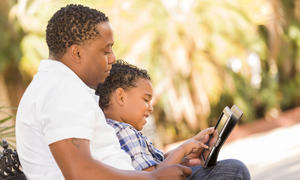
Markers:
<point>70,25</point>
<point>122,75</point>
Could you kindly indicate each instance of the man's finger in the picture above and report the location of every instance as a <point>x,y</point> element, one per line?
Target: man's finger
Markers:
<point>173,172</point>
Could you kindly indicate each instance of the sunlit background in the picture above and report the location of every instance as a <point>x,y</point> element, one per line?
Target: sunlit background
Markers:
<point>202,55</point>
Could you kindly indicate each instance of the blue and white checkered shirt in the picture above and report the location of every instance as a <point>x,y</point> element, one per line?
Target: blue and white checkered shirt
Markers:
<point>142,152</point>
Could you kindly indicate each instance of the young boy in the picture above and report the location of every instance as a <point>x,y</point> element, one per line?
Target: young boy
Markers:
<point>125,98</point>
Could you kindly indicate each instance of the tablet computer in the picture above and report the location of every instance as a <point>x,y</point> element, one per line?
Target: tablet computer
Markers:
<point>225,124</point>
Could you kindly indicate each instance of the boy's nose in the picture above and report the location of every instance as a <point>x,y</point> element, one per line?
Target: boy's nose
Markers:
<point>150,108</point>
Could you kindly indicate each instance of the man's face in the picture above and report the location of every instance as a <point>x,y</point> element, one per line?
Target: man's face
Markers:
<point>97,56</point>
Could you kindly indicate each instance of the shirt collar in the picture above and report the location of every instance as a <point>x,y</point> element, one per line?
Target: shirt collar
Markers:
<point>53,65</point>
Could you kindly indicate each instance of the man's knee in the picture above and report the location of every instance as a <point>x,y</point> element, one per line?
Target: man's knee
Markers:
<point>236,167</point>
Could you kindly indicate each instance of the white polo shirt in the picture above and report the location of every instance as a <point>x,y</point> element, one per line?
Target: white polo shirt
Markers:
<point>58,105</point>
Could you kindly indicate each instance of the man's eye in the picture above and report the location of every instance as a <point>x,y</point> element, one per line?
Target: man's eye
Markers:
<point>107,53</point>
<point>146,100</point>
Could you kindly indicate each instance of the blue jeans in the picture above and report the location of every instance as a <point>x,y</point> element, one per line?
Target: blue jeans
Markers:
<point>229,169</point>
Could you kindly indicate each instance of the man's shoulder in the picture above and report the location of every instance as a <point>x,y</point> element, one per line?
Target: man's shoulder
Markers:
<point>53,73</point>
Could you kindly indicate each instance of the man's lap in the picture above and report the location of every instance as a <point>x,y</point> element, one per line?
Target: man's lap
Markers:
<point>226,169</point>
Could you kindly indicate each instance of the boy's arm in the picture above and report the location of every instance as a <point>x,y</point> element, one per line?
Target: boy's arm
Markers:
<point>177,155</point>
<point>75,161</point>
<point>190,150</point>
<point>137,147</point>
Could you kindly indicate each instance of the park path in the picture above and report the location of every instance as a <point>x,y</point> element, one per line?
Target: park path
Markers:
<point>270,148</point>
<point>271,155</point>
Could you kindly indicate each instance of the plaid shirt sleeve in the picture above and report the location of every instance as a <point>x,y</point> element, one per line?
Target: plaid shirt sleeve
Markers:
<point>135,144</point>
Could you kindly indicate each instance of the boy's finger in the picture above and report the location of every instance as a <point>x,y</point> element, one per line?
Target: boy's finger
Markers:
<point>201,144</point>
<point>210,130</point>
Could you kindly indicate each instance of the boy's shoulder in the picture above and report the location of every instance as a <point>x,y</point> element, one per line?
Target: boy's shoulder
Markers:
<point>118,125</point>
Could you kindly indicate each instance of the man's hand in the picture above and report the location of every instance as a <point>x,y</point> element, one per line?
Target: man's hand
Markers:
<point>173,172</point>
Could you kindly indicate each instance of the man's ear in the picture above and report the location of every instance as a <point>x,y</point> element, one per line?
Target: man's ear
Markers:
<point>74,52</point>
<point>120,96</point>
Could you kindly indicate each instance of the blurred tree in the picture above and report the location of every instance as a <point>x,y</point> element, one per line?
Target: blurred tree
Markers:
<point>202,55</point>
<point>7,131</point>
<point>11,81</point>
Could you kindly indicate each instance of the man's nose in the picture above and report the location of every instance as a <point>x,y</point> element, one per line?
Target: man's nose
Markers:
<point>112,58</point>
<point>150,108</point>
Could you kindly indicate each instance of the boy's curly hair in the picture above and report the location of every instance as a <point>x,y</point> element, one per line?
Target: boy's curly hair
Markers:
<point>70,25</point>
<point>122,75</point>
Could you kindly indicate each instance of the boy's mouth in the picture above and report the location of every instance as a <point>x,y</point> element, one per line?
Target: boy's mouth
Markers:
<point>146,116</point>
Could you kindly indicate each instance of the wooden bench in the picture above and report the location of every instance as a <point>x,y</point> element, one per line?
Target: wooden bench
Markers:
<point>10,167</point>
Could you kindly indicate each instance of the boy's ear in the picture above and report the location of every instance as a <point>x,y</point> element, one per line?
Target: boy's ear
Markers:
<point>74,51</point>
<point>120,96</point>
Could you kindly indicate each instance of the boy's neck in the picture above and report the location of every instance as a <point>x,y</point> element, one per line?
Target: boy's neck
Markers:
<point>114,115</point>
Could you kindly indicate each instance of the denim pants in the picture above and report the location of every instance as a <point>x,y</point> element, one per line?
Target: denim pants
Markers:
<point>229,169</point>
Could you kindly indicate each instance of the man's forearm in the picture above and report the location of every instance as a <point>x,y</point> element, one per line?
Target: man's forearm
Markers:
<point>97,170</point>
<point>76,163</point>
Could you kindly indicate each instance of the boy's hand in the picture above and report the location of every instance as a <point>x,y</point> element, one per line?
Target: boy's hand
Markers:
<point>203,135</point>
<point>189,152</point>
<point>192,149</point>
<point>212,141</point>
<point>193,158</point>
<point>192,146</point>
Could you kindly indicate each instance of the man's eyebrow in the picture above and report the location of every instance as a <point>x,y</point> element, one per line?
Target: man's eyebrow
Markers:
<point>149,95</point>
<point>110,44</point>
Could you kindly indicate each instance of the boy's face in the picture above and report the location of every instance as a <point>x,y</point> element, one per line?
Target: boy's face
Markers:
<point>97,56</point>
<point>137,104</point>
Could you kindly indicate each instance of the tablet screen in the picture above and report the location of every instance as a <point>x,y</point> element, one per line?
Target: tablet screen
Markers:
<point>221,123</point>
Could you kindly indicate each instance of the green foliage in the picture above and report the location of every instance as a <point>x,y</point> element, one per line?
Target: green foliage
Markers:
<point>10,35</point>
<point>7,131</point>
<point>202,55</point>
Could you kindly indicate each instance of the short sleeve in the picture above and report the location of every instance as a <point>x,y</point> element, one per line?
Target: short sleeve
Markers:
<point>133,144</point>
<point>68,112</point>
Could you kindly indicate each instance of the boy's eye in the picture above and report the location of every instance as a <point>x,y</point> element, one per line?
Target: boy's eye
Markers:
<point>146,100</point>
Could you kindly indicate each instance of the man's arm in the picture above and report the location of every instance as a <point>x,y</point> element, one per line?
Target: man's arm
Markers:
<point>76,163</point>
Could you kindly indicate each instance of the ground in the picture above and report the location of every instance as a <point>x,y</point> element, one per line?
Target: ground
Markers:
<point>270,148</point>
<point>285,119</point>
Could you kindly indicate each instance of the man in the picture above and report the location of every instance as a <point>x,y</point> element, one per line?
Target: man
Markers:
<point>61,132</point>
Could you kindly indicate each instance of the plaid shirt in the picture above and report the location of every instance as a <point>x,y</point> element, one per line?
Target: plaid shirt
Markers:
<point>142,152</point>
